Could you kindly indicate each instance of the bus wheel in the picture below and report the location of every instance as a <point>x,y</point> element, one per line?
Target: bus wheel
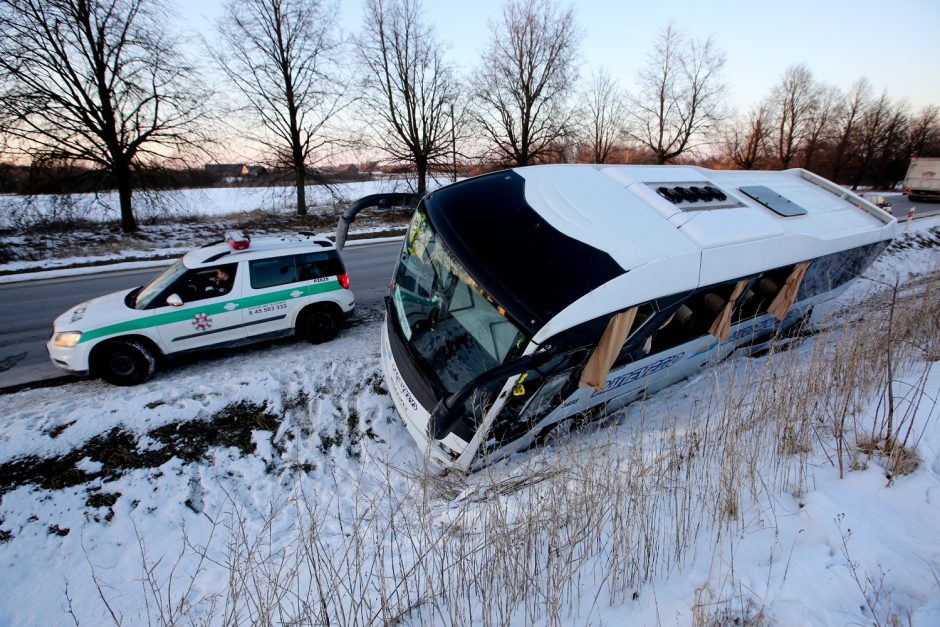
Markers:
<point>125,362</point>
<point>557,431</point>
<point>319,325</point>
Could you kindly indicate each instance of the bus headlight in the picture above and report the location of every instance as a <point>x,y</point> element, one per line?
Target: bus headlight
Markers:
<point>67,339</point>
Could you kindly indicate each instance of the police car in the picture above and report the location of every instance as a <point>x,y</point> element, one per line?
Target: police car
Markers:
<point>226,293</point>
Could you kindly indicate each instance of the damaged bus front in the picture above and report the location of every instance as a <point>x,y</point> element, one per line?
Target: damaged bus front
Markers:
<point>524,300</point>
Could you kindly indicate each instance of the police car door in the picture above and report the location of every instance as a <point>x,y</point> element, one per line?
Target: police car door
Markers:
<point>210,313</point>
<point>273,296</point>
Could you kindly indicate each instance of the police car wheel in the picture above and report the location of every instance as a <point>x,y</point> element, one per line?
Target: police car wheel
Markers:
<point>125,363</point>
<point>319,325</point>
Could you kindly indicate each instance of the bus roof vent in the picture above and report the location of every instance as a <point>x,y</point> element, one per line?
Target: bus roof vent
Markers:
<point>695,195</point>
<point>774,201</point>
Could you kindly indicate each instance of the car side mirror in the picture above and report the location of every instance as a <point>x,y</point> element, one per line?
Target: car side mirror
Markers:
<point>174,300</point>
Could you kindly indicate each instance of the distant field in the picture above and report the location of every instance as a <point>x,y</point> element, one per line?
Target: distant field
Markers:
<point>217,201</point>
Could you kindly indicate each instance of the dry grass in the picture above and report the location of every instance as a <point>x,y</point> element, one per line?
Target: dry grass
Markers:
<point>588,522</point>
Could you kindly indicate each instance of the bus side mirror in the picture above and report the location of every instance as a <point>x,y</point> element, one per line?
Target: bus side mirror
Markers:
<point>173,300</point>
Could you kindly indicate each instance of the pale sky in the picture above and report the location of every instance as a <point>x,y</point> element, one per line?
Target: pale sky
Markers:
<point>895,44</point>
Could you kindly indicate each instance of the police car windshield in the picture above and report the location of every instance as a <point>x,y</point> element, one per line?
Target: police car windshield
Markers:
<point>455,329</point>
<point>158,284</point>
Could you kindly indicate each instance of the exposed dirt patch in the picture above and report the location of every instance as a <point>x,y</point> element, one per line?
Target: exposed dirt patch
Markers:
<point>57,430</point>
<point>118,451</point>
<point>230,427</point>
<point>102,499</point>
<point>98,500</point>
<point>916,241</point>
<point>377,384</point>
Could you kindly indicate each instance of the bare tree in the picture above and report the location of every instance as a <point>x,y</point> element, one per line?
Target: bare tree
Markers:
<point>792,101</point>
<point>96,81</point>
<point>871,135</point>
<point>527,75</point>
<point>820,124</point>
<point>410,92</point>
<point>893,156</point>
<point>680,99</point>
<point>852,111</point>
<point>747,139</point>
<point>282,57</point>
<point>605,116</point>
<point>925,133</point>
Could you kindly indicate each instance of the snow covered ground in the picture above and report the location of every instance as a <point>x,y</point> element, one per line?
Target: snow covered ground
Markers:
<point>218,201</point>
<point>42,233</point>
<point>280,483</point>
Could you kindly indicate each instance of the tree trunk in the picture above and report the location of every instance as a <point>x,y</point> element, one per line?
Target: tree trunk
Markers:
<point>838,163</point>
<point>808,158</point>
<point>422,167</point>
<point>300,182</point>
<point>122,180</point>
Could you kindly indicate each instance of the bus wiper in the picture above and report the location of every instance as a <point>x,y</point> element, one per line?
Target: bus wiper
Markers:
<point>445,415</point>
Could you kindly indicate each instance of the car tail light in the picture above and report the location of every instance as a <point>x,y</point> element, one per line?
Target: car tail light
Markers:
<point>343,280</point>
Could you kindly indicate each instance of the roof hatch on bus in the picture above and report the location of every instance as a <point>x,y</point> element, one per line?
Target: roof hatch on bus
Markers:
<point>774,201</point>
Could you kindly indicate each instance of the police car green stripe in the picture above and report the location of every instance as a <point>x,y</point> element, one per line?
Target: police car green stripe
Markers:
<point>210,309</point>
<point>222,294</point>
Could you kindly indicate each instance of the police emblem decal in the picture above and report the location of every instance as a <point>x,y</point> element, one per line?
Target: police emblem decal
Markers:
<point>202,321</point>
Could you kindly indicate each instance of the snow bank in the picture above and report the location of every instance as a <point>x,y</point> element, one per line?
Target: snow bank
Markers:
<point>217,201</point>
<point>274,473</point>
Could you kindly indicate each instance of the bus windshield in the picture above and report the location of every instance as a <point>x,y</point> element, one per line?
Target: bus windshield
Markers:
<point>444,315</point>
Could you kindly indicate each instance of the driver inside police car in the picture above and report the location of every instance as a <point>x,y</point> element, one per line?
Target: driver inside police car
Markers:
<point>218,282</point>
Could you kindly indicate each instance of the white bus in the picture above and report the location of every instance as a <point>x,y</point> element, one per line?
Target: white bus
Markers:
<point>529,299</point>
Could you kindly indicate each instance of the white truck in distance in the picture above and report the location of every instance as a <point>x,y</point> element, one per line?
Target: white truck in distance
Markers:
<point>922,181</point>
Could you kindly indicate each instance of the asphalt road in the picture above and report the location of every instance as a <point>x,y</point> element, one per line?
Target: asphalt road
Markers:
<point>900,206</point>
<point>27,309</point>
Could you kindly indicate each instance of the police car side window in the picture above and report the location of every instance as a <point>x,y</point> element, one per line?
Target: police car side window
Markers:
<point>272,272</point>
<point>203,283</point>
<point>315,265</point>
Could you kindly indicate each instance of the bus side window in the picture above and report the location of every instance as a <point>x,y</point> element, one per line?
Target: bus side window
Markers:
<point>639,332</point>
<point>831,271</point>
<point>757,298</point>
<point>690,319</point>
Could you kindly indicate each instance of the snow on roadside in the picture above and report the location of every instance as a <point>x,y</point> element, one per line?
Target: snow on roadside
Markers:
<point>172,253</point>
<point>320,429</point>
<point>334,412</point>
<point>791,558</point>
<point>35,234</point>
<point>210,201</point>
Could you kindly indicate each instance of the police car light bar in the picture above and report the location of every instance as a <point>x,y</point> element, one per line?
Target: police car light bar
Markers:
<point>237,240</point>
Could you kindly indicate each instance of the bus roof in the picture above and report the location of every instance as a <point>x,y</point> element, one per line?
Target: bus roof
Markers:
<point>618,210</point>
<point>672,228</point>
